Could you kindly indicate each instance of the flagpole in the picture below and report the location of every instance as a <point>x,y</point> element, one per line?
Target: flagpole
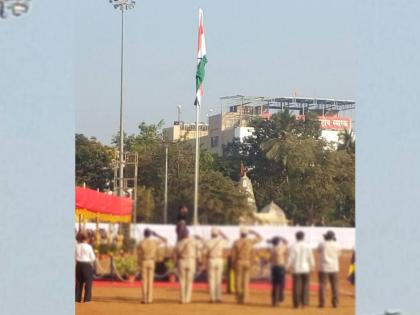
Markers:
<point>197,164</point>
<point>201,62</point>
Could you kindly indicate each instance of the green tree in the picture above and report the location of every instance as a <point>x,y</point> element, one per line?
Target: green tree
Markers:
<point>344,166</point>
<point>268,177</point>
<point>93,163</point>
<point>145,204</point>
<point>292,165</point>
<point>346,141</point>
<point>218,193</point>
<point>309,175</point>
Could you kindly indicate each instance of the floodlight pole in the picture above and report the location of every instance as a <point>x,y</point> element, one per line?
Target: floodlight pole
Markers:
<point>121,145</point>
<point>122,5</point>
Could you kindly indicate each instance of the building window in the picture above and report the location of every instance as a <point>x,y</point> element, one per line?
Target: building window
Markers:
<point>214,141</point>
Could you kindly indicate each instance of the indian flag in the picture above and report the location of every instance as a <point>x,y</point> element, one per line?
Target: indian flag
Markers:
<point>201,60</point>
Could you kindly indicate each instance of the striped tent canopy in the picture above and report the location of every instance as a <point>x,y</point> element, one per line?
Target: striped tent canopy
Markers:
<point>92,204</point>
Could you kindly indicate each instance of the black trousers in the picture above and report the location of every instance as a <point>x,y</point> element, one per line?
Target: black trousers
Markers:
<point>333,279</point>
<point>277,282</point>
<point>301,289</point>
<point>84,278</point>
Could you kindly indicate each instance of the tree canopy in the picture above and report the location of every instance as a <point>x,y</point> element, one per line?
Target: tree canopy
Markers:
<point>289,163</point>
<point>93,163</point>
<point>221,200</point>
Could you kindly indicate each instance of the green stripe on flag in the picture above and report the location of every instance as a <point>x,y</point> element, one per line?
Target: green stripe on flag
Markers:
<point>199,76</point>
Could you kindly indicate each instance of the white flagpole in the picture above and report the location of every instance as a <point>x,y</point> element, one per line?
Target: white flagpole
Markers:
<point>199,94</point>
<point>197,164</point>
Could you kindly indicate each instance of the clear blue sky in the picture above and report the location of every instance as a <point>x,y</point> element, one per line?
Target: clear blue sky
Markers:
<point>270,48</point>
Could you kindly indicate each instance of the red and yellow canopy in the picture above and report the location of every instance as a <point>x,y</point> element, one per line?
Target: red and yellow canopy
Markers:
<point>91,204</point>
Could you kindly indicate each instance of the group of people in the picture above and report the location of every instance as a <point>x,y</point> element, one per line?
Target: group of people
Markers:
<point>191,250</point>
<point>297,258</point>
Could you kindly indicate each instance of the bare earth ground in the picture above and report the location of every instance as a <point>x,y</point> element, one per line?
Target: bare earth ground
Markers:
<point>114,301</point>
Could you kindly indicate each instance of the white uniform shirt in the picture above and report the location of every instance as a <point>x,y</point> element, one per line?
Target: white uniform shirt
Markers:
<point>301,258</point>
<point>215,246</point>
<point>330,253</point>
<point>84,253</point>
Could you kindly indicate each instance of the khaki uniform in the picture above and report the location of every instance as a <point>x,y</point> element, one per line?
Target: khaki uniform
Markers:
<point>186,251</point>
<point>241,256</point>
<point>214,251</point>
<point>146,257</point>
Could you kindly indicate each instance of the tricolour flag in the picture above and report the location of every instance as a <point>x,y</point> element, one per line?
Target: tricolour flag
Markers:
<point>201,59</point>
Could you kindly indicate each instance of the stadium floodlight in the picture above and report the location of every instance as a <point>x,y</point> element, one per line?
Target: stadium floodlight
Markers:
<point>16,7</point>
<point>123,4</point>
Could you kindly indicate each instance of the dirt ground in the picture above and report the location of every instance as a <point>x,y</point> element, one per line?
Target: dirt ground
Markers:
<point>114,301</point>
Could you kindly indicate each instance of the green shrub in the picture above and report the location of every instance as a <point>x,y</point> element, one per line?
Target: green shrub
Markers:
<point>170,265</point>
<point>126,265</point>
<point>129,245</point>
<point>112,248</point>
<point>103,249</point>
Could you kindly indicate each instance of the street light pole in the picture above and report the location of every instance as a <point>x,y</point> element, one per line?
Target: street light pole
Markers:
<point>165,213</point>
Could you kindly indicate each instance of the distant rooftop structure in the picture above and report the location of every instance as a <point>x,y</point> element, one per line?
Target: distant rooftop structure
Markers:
<point>263,104</point>
<point>184,131</point>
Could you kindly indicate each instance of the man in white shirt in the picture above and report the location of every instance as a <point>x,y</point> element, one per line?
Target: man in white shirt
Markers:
<point>330,252</point>
<point>301,261</point>
<point>85,258</point>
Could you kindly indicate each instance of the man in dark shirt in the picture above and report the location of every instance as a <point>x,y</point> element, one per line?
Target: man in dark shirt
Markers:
<point>181,220</point>
<point>182,214</point>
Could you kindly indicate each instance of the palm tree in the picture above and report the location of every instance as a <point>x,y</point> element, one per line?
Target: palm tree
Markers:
<point>346,141</point>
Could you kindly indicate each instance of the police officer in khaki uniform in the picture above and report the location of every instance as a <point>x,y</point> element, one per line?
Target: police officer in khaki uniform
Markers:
<point>241,257</point>
<point>146,257</point>
<point>186,252</point>
<point>214,254</point>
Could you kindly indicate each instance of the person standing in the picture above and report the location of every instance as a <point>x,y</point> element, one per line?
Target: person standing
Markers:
<point>215,265</point>
<point>278,269</point>
<point>85,257</point>
<point>181,221</point>
<point>301,262</point>
<point>182,214</point>
<point>186,253</point>
<point>146,258</point>
<point>352,269</point>
<point>330,252</point>
<point>241,258</point>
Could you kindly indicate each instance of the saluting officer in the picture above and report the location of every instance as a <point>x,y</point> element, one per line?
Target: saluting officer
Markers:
<point>186,253</point>
<point>146,257</point>
<point>241,256</point>
<point>214,254</point>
